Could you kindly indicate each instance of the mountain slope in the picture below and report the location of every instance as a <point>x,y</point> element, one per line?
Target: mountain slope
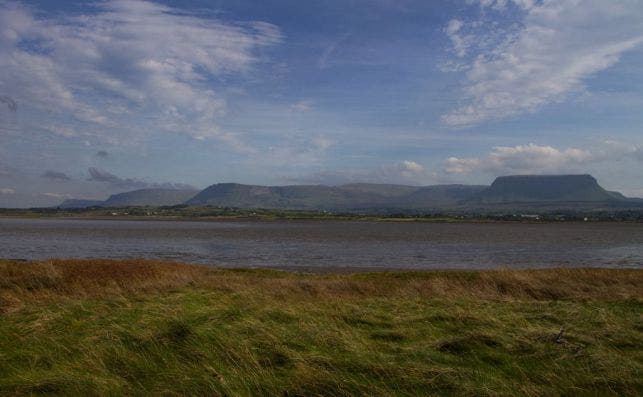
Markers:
<point>149,197</point>
<point>80,203</point>
<point>141,197</point>
<point>276,197</point>
<point>438,196</point>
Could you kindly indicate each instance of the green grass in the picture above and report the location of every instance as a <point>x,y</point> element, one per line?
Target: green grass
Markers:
<point>192,331</point>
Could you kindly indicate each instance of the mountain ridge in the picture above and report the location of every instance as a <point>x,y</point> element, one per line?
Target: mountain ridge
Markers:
<point>524,191</point>
<point>322,197</point>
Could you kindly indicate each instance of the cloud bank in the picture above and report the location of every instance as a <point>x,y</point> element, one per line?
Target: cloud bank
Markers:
<point>536,159</point>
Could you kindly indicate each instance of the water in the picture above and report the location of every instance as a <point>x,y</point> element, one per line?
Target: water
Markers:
<point>321,245</point>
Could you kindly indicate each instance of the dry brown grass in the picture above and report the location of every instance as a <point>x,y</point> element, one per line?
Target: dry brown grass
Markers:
<point>55,279</point>
<point>105,327</point>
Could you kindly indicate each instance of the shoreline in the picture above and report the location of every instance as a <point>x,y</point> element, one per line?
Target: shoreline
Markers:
<point>329,270</point>
<point>313,271</point>
<point>320,220</point>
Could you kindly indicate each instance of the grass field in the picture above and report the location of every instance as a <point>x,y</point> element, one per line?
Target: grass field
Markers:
<point>103,327</point>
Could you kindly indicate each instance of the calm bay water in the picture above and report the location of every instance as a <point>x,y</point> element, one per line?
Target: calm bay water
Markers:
<point>318,245</point>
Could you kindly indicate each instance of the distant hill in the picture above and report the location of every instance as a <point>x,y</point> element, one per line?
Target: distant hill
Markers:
<point>346,197</point>
<point>141,197</point>
<point>545,188</point>
<point>80,203</point>
<point>275,197</point>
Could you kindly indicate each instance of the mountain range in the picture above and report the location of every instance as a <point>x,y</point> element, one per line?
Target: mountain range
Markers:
<point>517,191</point>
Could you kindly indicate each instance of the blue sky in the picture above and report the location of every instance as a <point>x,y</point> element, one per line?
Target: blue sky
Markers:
<point>107,96</point>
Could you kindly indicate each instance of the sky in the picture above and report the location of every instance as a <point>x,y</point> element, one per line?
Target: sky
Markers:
<point>101,97</point>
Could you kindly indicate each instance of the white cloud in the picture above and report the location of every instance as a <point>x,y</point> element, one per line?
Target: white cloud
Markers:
<point>532,158</point>
<point>410,168</point>
<point>57,195</point>
<point>133,55</point>
<point>501,5</point>
<point>542,58</point>
<point>460,42</point>
<point>6,190</point>
<point>322,142</point>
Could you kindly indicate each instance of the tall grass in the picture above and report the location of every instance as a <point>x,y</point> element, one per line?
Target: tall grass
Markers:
<point>104,327</point>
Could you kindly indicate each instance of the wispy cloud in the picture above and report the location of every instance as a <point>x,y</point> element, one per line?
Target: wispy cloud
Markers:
<point>5,170</point>
<point>102,154</point>
<point>296,152</point>
<point>324,60</point>
<point>305,105</point>
<point>9,103</point>
<point>541,58</point>
<point>56,175</point>
<point>8,112</point>
<point>99,175</point>
<point>133,55</point>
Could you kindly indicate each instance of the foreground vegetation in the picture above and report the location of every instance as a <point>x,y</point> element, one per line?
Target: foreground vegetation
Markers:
<point>141,327</point>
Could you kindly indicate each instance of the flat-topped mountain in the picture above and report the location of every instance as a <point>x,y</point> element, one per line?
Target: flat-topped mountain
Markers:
<point>546,188</point>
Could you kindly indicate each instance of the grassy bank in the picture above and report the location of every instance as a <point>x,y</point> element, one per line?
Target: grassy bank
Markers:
<point>140,328</point>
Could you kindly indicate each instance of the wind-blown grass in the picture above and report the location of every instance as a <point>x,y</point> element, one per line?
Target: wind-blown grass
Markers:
<point>103,327</point>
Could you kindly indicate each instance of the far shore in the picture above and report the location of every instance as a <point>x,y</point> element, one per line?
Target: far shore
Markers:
<point>348,218</point>
<point>263,219</point>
